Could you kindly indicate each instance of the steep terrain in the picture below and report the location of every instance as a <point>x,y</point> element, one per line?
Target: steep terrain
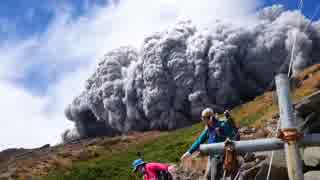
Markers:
<point>110,158</point>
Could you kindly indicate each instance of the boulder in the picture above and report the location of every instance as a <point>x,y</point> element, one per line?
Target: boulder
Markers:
<point>311,156</point>
<point>312,175</point>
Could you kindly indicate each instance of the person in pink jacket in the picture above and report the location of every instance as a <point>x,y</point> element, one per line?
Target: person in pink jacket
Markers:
<point>153,170</point>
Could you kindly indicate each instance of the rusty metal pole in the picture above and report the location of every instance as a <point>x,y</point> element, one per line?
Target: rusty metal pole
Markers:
<point>289,128</point>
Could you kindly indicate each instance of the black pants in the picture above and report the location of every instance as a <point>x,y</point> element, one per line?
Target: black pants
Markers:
<point>164,175</point>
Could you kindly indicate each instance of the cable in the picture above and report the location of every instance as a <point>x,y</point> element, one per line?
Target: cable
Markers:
<point>272,153</point>
<point>294,42</point>
<point>313,16</point>
<point>305,29</point>
<point>300,4</point>
<point>292,54</point>
<point>237,175</point>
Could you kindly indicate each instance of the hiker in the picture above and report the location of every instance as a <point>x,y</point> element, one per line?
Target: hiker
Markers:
<point>154,170</point>
<point>213,133</point>
<point>230,128</point>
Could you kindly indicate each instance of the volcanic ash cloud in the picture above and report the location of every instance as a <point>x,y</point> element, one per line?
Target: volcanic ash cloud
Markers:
<point>178,72</point>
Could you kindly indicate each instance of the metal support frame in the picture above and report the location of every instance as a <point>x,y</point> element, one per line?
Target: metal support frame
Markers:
<point>290,138</point>
<point>258,145</point>
<point>288,124</point>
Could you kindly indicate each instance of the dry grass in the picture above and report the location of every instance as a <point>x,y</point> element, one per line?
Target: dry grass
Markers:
<point>258,109</point>
<point>63,157</point>
<point>62,163</point>
<point>264,107</point>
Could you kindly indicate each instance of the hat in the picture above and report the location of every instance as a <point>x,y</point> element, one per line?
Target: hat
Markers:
<point>208,112</point>
<point>136,163</point>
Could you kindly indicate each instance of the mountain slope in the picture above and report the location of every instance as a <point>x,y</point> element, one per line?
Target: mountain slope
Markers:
<point>110,158</point>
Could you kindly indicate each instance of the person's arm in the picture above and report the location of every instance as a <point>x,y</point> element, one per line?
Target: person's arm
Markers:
<point>201,139</point>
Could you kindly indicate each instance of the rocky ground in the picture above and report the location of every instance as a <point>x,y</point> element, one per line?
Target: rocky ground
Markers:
<point>25,164</point>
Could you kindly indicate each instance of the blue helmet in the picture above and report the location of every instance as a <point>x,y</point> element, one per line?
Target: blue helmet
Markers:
<point>137,163</point>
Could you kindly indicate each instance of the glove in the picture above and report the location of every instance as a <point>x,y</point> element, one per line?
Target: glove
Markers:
<point>185,155</point>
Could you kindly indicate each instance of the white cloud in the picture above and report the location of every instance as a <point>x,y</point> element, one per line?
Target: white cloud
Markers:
<point>31,120</point>
<point>15,58</point>
<point>23,121</point>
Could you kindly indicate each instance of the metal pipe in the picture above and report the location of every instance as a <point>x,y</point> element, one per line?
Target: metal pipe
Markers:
<point>285,106</point>
<point>294,163</point>
<point>260,144</point>
<point>245,146</point>
<point>293,157</point>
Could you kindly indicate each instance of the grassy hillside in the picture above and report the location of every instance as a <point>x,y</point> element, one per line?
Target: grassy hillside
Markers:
<point>168,147</point>
<point>112,160</point>
<point>262,108</point>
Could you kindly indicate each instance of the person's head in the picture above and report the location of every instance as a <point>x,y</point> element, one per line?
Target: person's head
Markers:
<point>208,116</point>
<point>138,165</point>
<point>216,115</point>
<point>226,113</point>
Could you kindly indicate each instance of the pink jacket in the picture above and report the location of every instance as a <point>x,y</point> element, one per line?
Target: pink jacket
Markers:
<point>151,170</point>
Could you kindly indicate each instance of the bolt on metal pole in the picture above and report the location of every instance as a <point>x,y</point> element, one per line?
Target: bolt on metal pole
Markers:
<point>293,157</point>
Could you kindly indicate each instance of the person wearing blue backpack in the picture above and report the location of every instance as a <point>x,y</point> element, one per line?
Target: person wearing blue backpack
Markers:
<point>230,127</point>
<point>214,132</point>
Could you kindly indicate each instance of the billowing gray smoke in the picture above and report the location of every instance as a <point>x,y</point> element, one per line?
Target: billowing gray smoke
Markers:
<point>180,71</point>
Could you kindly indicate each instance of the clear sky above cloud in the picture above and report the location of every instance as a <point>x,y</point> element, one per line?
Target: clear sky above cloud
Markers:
<point>48,49</point>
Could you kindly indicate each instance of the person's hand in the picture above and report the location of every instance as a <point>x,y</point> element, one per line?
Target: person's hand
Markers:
<point>185,155</point>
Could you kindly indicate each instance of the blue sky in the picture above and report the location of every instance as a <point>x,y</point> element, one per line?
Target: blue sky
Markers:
<point>309,6</point>
<point>33,16</point>
<point>49,47</point>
